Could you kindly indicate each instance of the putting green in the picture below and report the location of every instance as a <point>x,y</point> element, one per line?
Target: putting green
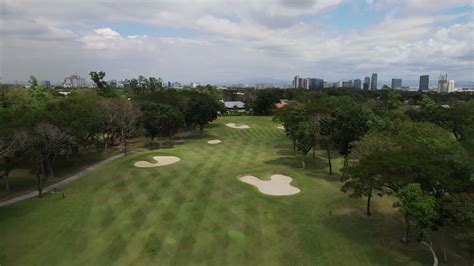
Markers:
<point>198,212</point>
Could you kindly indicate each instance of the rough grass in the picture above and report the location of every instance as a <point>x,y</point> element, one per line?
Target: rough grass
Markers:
<point>197,212</point>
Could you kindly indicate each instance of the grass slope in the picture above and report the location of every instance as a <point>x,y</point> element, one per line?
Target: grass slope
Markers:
<point>197,212</point>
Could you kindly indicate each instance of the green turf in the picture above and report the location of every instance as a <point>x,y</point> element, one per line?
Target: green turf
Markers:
<point>197,212</point>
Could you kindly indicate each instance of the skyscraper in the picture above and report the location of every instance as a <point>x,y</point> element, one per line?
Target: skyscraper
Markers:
<point>443,83</point>
<point>373,85</point>
<point>74,81</point>
<point>366,83</point>
<point>451,86</point>
<point>358,84</point>
<point>314,83</point>
<point>396,84</point>
<point>424,83</point>
<point>298,82</point>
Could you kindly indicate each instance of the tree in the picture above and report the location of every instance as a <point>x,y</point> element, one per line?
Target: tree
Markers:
<point>290,117</point>
<point>47,143</point>
<point>79,113</point>
<point>120,118</point>
<point>364,169</point>
<point>12,150</point>
<point>265,101</point>
<point>416,206</point>
<point>33,81</point>
<point>202,110</point>
<point>102,86</point>
<point>160,120</point>
<point>305,134</point>
<point>347,123</point>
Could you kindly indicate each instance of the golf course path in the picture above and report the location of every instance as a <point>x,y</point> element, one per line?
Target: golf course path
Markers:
<point>61,183</point>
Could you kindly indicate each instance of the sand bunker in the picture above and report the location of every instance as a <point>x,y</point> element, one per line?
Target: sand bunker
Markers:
<point>160,161</point>
<point>214,141</point>
<point>281,127</point>
<point>234,125</point>
<point>278,185</point>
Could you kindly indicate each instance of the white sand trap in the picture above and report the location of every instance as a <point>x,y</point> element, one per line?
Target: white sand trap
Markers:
<point>160,161</point>
<point>234,125</point>
<point>214,141</point>
<point>281,127</point>
<point>278,185</point>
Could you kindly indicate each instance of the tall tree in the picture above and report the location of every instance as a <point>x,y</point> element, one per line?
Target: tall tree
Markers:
<point>12,151</point>
<point>290,117</point>
<point>306,133</point>
<point>417,207</point>
<point>347,123</point>
<point>33,81</point>
<point>48,143</point>
<point>160,120</point>
<point>202,110</point>
<point>103,87</point>
<point>364,171</point>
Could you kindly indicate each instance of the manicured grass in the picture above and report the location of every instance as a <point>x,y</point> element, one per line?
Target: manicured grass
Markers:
<point>23,179</point>
<point>197,212</point>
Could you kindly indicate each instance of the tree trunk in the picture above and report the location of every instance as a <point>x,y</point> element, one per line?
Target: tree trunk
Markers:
<point>38,184</point>
<point>7,184</point>
<point>303,160</point>
<point>294,147</point>
<point>314,151</point>
<point>106,141</point>
<point>343,175</point>
<point>430,247</point>
<point>201,129</point>
<point>329,159</point>
<point>407,230</point>
<point>369,197</point>
<point>125,143</point>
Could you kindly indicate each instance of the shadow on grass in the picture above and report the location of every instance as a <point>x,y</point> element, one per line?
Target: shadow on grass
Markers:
<point>380,232</point>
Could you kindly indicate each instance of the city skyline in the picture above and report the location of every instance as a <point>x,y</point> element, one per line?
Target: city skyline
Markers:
<point>208,42</point>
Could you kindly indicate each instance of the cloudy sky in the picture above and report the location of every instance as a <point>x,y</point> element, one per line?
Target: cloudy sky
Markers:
<point>219,40</point>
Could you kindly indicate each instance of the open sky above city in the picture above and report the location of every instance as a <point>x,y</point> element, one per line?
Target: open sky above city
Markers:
<point>234,40</point>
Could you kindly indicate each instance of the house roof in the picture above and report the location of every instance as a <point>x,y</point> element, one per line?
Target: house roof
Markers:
<point>231,104</point>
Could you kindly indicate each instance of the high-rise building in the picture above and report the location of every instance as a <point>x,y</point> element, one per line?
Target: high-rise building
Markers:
<point>307,83</point>
<point>328,85</point>
<point>358,84</point>
<point>46,84</point>
<point>396,84</point>
<point>373,85</point>
<point>298,82</point>
<point>366,83</point>
<point>347,84</point>
<point>314,83</point>
<point>451,86</point>
<point>424,83</point>
<point>443,83</point>
<point>74,81</point>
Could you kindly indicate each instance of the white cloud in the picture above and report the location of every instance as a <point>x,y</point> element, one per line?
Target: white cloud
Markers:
<point>231,40</point>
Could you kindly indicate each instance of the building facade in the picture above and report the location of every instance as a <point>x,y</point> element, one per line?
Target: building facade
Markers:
<point>451,86</point>
<point>443,83</point>
<point>373,84</point>
<point>424,83</point>
<point>396,84</point>
<point>358,84</point>
<point>366,83</point>
<point>74,81</point>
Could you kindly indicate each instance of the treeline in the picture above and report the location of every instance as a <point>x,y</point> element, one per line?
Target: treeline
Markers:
<point>42,125</point>
<point>413,148</point>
